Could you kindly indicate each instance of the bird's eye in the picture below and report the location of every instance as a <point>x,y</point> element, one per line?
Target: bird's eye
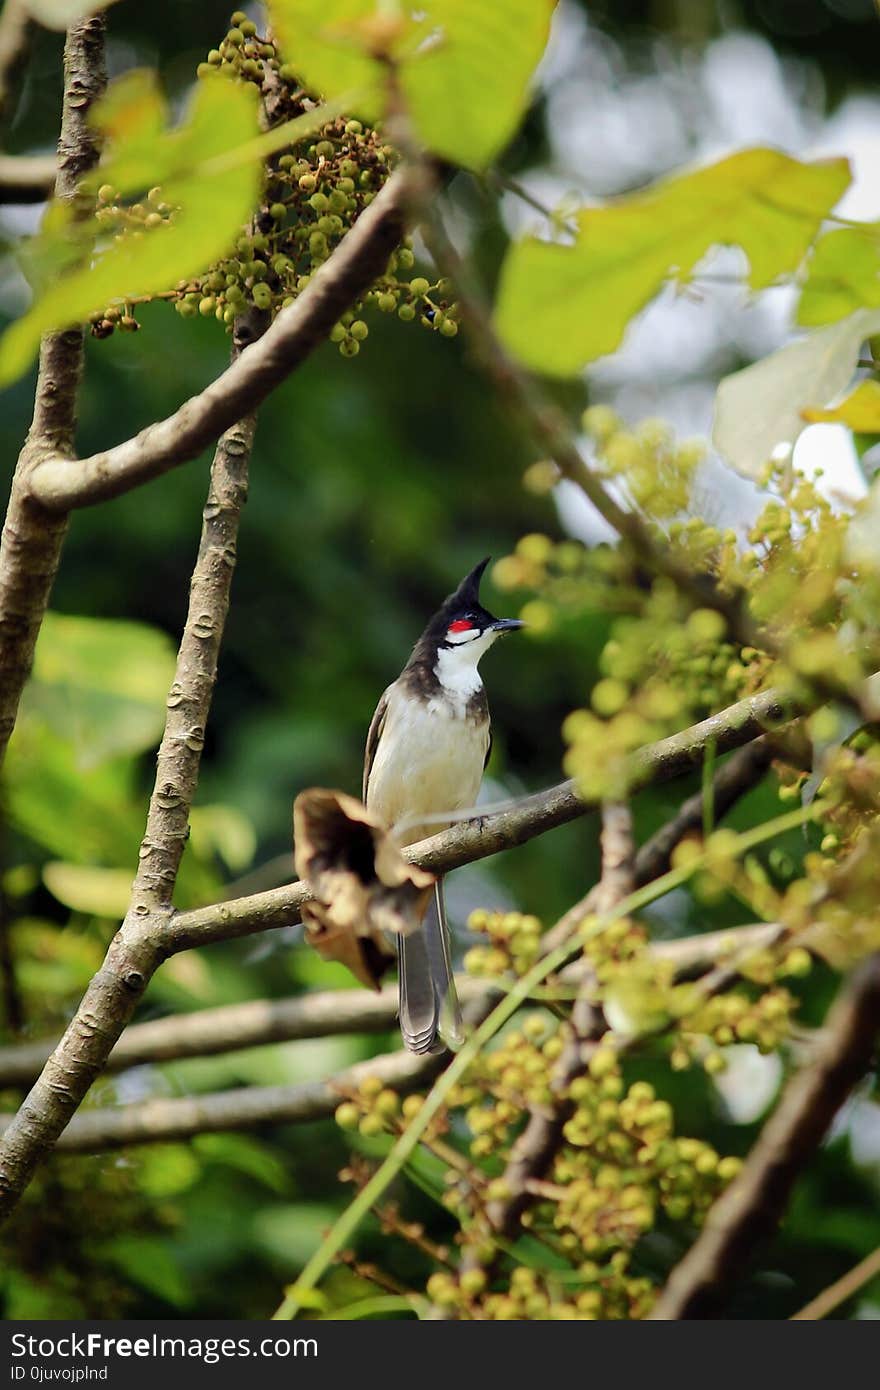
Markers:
<point>460,625</point>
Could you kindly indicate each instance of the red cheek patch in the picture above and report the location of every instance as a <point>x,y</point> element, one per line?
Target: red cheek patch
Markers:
<point>460,625</point>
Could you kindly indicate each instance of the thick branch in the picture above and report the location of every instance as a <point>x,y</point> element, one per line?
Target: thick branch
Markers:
<point>32,536</point>
<point>752,1205</point>
<point>732,780</point>
<point>476,839</point>
<point>135,951</point>
<point>150,1121</point>
<point>296,332</point>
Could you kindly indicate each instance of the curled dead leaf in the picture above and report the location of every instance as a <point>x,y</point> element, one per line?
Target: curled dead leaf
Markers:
<point>362,886</point>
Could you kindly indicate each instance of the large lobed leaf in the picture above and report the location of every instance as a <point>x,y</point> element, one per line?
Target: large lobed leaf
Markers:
<point>562,306</point>
<point>766,404</point>
<point>463,66</point>
<point>843,275</point>
<point>190,163</point>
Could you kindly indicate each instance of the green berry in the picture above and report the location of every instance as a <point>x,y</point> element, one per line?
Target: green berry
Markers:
<point>406,312</point>
<point>307,182</point>
<point>262,295</point>
<point>419,286</point>
<point>448,327</point>
<point>337,333</point>
<point>287,72</point>
<point>278,212</point>
<point>207,306</point>
<point>319,202</point>
<point>387,303</point>
<point>359,330</point>
<point>235,37</point>
<point>349,347</point>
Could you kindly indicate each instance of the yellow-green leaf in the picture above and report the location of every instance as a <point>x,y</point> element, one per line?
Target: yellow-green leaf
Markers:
<point>843,275</point>
<point>562,306</point>
<point>212,206</point>
<point>463,67</point>
<point>86,888</point>
<point>100,684</point>
<point>860,411</point>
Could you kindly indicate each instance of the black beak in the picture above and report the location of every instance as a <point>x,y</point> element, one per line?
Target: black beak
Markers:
<point>507,625</point>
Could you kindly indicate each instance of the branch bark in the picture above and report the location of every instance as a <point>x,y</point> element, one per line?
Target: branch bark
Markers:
<point>752,1205</point>
<point>476,839</point>
<point>32,535</point>
<point>362,254</point>
<point>247,1107</point>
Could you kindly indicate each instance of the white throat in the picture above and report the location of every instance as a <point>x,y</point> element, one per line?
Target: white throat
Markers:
<point>456,669</point>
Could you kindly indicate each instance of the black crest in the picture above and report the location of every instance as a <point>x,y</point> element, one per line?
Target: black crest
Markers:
<point>463,600</point>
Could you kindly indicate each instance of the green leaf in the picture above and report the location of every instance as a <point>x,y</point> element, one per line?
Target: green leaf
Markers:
<point>560,307</point>
<point>225,831</point>
<point>86,888</point>
<point>482,53</point>
<point>189,163</point>
<point>762,406</point>
<point>100,684</point>
<point>843,275</point>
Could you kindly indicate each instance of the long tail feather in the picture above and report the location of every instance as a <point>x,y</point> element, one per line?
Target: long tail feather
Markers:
<point>430,1017</point>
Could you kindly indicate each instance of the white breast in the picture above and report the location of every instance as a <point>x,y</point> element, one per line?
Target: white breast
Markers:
<point>429,760</point>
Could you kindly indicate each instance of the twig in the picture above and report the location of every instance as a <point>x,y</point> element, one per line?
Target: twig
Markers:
<point>32,536</point>
<point>842,1289</point>
<point>15,32</point>
<point>751,1206</point>
<point>247,1107</point>
<point>360,257</point>
<point>534,1150</point>
<point>484,835</point>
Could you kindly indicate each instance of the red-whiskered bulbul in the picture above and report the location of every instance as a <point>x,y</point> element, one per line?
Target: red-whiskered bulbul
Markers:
<point>426,750</point>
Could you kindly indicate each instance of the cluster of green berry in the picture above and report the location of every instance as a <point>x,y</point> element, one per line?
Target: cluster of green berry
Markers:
<point>313,194</point>
<point>513,943</point>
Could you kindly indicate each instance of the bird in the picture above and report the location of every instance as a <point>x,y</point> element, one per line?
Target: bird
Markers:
<point>427,747</point>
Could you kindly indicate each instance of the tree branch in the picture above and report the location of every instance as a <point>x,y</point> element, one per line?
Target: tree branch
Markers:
<point>135,951</point>
<point>484,835</point>
<point>752,1205</point>
<point>209,1032</point>
<point>150,1121</point>
<point>32,536</point>
<point>361,256</point>
<point>26,178</point>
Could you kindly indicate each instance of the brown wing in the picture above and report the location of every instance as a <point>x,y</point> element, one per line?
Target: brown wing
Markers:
<point>374,734</point>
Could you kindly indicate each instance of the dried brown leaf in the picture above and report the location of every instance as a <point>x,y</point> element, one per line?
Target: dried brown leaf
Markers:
<point>362,886</point>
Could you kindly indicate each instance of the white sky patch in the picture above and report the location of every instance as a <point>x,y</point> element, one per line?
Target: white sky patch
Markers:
<point>750,1082</point>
